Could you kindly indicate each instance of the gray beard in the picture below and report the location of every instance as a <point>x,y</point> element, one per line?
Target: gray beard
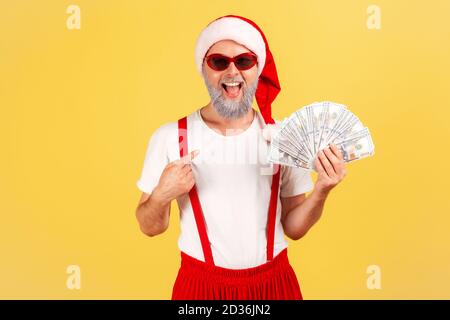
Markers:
<point>230,109</point>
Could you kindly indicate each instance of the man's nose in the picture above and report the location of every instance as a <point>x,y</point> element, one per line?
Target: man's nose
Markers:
<point>232,70</point>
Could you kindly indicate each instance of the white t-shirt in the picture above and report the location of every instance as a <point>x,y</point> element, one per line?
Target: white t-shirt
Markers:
<point>233,179</point>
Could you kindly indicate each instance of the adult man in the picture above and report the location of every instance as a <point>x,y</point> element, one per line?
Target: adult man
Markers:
<point>235,206</point>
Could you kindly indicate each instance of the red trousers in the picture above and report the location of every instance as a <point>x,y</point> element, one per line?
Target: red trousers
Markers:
<point>273,280</point>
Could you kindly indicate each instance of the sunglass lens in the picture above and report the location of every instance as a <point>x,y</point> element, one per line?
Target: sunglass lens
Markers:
<point>245,62</point>
<point>219,63</point>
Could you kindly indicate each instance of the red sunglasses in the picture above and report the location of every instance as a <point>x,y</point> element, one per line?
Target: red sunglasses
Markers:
<point>219,62</point>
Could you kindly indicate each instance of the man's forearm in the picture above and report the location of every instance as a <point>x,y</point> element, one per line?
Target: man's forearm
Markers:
<point>153,214</point>
<point>300,219</point>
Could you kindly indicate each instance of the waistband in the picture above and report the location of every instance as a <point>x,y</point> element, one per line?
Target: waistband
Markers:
<point>280,261</point>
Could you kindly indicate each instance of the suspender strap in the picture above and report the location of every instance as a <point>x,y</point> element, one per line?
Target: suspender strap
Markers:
<point>272,211</point>
<point>193,196</point>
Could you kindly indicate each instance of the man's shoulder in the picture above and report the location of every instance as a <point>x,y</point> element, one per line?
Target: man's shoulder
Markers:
<point>165,129</point>
<point>170,128</point>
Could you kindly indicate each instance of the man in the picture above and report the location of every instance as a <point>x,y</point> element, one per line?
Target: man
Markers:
<point>235,206</point>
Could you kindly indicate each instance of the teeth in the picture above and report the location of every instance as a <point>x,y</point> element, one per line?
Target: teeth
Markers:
<point>232,84</point>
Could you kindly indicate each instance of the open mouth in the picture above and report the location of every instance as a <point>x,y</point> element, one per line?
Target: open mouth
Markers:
<point>232,90</point>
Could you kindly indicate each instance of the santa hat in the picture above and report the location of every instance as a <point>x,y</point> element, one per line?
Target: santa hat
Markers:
<point>248,34</point>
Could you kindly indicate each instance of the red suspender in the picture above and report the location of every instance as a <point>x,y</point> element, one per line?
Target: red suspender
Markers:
<point>193,196</point>
<point>272,211</point>
<point>198,213</point>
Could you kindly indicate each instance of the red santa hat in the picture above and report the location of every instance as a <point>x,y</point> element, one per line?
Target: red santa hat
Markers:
<point>248,34</point>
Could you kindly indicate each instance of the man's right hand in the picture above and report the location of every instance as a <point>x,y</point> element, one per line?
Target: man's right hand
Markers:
<point>176,179</point>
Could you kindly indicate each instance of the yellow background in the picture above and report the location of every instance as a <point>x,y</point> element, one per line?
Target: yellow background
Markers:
<point>78,108</point>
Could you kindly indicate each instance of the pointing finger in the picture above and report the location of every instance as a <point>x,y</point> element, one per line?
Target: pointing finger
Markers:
<point>188,158</point>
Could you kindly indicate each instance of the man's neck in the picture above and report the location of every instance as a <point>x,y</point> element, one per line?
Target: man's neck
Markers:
<point>216,121</point>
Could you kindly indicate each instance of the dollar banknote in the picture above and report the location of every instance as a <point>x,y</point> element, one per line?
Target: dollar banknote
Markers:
<point>305,132</point>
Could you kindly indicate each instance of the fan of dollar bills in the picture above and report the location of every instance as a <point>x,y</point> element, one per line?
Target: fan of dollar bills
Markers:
<point>312,128</point>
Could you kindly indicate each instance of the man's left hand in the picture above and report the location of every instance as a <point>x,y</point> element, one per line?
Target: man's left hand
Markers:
<point>330,167</point>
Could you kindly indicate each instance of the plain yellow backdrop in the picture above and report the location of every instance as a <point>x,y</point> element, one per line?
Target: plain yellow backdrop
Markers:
<point>78,108</point>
